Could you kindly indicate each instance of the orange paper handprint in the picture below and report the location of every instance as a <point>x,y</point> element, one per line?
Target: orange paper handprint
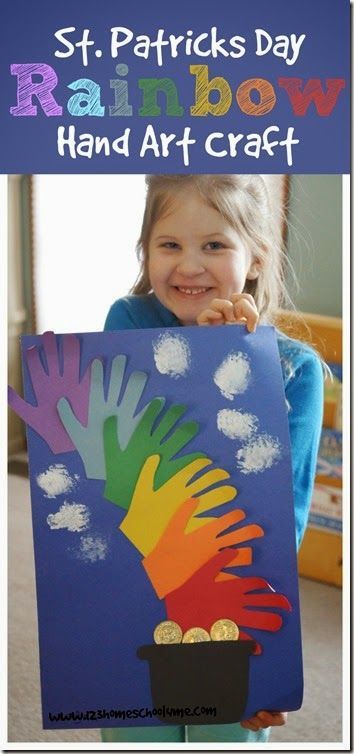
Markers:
<point>178,555</point>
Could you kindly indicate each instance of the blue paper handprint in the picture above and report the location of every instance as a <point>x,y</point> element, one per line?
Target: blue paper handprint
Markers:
<point>89,439</point>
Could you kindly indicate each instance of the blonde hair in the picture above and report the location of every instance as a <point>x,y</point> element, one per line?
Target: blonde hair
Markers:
<point>243,202</point>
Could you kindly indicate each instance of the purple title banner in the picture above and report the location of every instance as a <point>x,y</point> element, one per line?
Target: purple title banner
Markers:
<point>232,86</point>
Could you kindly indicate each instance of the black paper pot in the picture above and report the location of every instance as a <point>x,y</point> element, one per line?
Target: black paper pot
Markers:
<point>194,678</point>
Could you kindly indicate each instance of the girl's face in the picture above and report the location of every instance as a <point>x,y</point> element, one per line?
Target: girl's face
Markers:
<point>194,256</point>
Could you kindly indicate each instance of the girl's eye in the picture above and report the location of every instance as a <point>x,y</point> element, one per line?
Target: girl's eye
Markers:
<point>214,245</point>
<point>170,245</point>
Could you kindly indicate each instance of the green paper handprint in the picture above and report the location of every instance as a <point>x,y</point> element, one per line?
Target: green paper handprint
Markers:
<point>88,440</point>
<point>123,465</point>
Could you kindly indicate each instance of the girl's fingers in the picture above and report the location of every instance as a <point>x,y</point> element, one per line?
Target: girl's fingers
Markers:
<point>224,307</point>
<point>249,304</point>
<point>210,317</point>
<point>240,308</point>
<point>237,296</point>
<point>264,719</point>
<point>245,306</point>
<point>252,724</point>
<point>272,718</point>
<point>245,310</point>
<point>220,311</point>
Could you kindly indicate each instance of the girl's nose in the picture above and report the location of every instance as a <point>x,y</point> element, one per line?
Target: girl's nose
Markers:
<point>190,263</point>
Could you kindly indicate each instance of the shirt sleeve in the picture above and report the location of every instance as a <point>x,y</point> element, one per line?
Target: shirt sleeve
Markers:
<point>140,312</point>
<point>304,395</point>
<point>120,317</point>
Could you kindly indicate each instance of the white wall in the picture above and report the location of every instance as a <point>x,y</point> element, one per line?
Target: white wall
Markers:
<point>86,229</point>
<point>315,242</point>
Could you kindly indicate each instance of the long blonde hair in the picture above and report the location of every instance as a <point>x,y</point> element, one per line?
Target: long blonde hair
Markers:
<point>243,202</point>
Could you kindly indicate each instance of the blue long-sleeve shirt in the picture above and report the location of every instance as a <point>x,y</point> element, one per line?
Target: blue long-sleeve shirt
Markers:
<point>303,383</point>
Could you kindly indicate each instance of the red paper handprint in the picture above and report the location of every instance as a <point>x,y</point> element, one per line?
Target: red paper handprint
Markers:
<point>207,597</point>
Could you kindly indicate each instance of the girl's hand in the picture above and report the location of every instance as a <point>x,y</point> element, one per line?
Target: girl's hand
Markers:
<point>264,719</point>
<point>240,308</point>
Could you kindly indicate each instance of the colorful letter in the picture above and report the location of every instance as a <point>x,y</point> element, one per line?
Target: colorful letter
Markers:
<point>27,88</point>
<point>150,88</point>
<point>203,87</point>
<point>121,106</point>
<point>267,98</point>
<point>301,99</point>
<point>85,103</point>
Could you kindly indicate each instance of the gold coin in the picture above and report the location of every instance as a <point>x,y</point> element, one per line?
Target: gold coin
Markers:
<point>195,634</point>
<point>224,630</point>
<point>167,632</point>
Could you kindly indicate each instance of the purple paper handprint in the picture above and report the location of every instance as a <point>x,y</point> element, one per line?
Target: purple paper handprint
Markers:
<point>51,385</point>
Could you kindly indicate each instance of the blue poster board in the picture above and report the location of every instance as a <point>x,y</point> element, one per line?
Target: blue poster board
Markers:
<point>97,606</point>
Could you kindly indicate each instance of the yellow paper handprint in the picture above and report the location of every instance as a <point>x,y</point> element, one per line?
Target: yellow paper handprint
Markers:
<point>151,510</point>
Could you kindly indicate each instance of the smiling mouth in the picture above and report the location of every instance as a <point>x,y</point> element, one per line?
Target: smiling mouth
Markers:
<point>191,291</point>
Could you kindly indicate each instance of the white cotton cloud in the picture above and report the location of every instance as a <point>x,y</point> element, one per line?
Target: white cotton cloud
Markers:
<point>259,454</point>
<point>172,355</point>
<point>233,375</point>
<point>56,481</point>
<point>70,516</point>
<point>236,425</point>
<point>92,549</point>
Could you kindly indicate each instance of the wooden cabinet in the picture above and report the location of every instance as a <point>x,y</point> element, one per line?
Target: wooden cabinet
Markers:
<point>320,555</point>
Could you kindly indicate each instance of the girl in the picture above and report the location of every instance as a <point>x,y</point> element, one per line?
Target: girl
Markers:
<point>208,257</point>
